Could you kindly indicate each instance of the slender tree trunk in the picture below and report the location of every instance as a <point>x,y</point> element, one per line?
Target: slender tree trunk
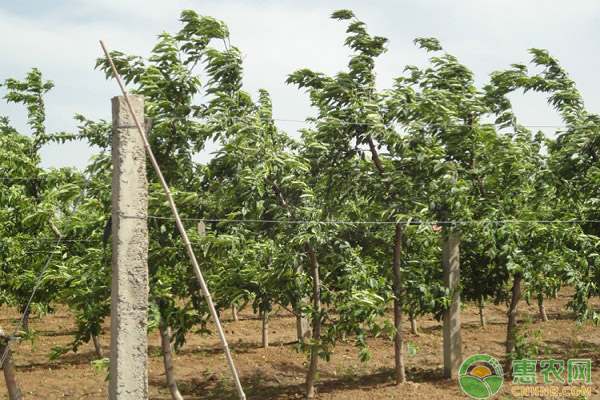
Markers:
<point>265,329</point>
<point>302,323</point>
<point>413,326</point>
<point>316,333</point>
<point>97,346</point>
<point>398,338</point>
<point>481,311</point>
<point>234,312</point>
<point>26,322</point>
<point>512,314</point>
<point>10,373</point>
<point>165,340</point>
<point>542,308</point>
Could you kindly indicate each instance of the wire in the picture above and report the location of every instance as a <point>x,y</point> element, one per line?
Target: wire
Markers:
<point>43,271</point>
<point>404,222</point>
<point>19,178</point>
<point>53,240</point>
<point>337,122</point>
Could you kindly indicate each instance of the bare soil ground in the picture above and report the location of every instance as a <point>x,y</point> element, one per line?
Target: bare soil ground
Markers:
<point>278,372</point>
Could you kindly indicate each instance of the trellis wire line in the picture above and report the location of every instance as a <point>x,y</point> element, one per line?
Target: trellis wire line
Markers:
<point>406,222</point>
<point>180,226</point>
<point>334,122</point>
<point>52,240</point>
<point>22,178</point>
<point>45,267</point>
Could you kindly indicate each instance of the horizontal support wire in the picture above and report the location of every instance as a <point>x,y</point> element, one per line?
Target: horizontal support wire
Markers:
<point>22,178</point>
<point>405,222</point>
<point>337,122</point>
<point>52,240</point>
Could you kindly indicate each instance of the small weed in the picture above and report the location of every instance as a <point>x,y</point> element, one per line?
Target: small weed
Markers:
<point>346,371</point>
<point>411,349</point>
<point>528,344</point>
<point>156,353</point>
<point>30,335</point>
<point>102,366</point>
<point>184,387</point>
<point>225,382</point>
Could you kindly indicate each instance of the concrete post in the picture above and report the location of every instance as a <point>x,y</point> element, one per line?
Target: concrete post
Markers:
<point>452,337</point>
<point>201,228</point>
<point>129,295</point>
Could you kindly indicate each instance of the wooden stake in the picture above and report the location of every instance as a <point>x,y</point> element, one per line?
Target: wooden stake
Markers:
<point>182,231</point>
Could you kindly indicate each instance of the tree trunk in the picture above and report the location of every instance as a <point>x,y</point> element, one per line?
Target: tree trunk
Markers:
<point>481,312</point>
<point>302,324</point>
<point>165,340</point>
<point>512,314</point>
<point>10,373</point>
<point>265,329</point>
<point>26,322</point>
<point>97,346</point>
<point>542,308</point>
<point>316,324</point>
<point>413,326</point>
<point>234,312</point>
<point>398,339</point>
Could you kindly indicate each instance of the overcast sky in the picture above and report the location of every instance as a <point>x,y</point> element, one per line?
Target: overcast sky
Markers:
<point>60,37</point>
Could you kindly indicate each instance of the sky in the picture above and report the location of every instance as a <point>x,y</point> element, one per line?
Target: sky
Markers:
<point>60,37</point>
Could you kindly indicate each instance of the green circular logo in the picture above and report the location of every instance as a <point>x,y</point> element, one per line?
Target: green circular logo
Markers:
<point>481,376</point>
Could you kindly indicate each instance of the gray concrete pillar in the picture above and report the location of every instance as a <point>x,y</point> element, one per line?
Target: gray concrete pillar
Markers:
<point>129,290</point>
<point>452,337</point>
<point>201,228</point>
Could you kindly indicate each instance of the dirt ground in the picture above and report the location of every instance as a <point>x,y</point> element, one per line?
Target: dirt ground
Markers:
<point>278,372</point>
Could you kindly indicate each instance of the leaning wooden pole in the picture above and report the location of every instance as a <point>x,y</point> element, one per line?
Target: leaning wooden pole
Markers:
<point>182,231</point>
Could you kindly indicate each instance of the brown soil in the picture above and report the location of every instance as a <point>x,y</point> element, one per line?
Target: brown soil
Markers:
<point>278,372</point>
